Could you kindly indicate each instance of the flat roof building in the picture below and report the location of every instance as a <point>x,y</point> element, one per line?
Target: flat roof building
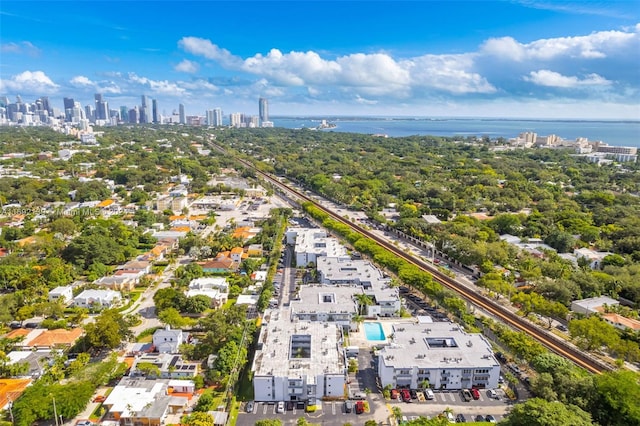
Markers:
<point>442,354</point>
<point>298,360</point>
<point>592,305</point>
<point>345,271</point>
<point>326,303</point>
<point>312,243</point>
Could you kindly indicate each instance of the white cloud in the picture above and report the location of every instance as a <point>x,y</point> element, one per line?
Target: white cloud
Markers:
<point>23,47</point>
<point>593,46</point>
<point>376,74</point>
<point>363,101</point>
<point>29,81</point>
<point>107,87</point>
<point>81,80</point>
<point>159,87</point>
<point>187,66</point>
<point>554,79</point>
<point>449,73</point>
<point>203,47</point>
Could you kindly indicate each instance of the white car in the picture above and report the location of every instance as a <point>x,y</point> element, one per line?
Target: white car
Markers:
<point>491,393</point>
<point>280,407</point>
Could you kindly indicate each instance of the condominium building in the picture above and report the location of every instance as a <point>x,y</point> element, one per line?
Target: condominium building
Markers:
<point>298,360</point>
<point>442,354</point>
<point>312,243</point>
<point>344,270</point>
<point>326,303</point>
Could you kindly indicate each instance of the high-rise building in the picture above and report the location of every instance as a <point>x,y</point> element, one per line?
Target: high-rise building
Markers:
<point>154,106</point>
<point>210,117</point>
<point>236,119</point>
<point>89,113</point>
<point>183,117</point>
<point>145,110</point>
<point>102,108</point>
<point>133,115</point>
<point>68,108</point>
<point>263,108</point>
<point>217,117</point>
<point>124,113</point>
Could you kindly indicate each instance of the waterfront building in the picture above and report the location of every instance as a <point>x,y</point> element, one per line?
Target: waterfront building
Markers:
<point>263,109</point>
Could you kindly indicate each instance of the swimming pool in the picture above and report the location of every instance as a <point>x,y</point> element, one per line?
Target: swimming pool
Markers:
<point>373,331</point>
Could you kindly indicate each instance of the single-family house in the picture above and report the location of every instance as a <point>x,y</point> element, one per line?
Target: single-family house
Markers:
<point>97,299</point>
<point>64,294</point>
<point>167,340</point>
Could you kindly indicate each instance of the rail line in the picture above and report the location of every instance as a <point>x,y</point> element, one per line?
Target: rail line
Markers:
<point>549,341</point>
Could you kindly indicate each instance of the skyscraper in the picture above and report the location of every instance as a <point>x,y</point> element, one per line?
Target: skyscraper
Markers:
<point>124,113</point>
<point>102,108</point>
<point>68,108</point>
<point>145,110</point>
<point>217,117</point>
<point>154,107</point>
<point>183,118</point>
<point>210,117</point>
<point>263,108</point>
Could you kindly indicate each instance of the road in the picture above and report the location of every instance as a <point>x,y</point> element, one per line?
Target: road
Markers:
<point>145,307</point>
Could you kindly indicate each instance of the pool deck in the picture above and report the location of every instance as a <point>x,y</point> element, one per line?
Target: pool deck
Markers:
<point>359,338</point>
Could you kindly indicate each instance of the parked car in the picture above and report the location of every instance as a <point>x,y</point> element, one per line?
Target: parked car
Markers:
<point>249,407</point>
<point>359,395</point>
<point>84,423</point>
<point>395,394</point>
<point>428,393</point>
<point>460,418</point>
<point>99,398</point>
<point>359,407</point>
<point>449,416</point>
<point>413,393</point>
<point>479,418</point>
<point>466,395</point>
<point>489,418</point>
<point>501,379</point>
<point>406,396</point>
<point>290,406</point>
<point>562,327</point>
<point>280,407</point>
<point>491,393</point>
<point>348,406</point>
<point>475,393</point>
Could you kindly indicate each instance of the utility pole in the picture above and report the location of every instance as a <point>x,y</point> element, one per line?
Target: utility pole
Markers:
<point>55,412</point>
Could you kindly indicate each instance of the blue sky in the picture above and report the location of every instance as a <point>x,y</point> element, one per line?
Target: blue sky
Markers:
<point>542,59</point>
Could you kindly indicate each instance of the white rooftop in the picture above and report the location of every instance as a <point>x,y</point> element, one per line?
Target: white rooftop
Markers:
<point>278,342</point>
<point>434,345</point>
<point>326,298</point>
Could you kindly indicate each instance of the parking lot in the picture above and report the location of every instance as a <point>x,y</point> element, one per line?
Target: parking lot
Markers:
<point>331,413</point>
<point>452,400</point>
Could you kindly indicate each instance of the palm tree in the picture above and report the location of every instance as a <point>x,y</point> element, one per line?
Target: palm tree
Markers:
<point>363,301</point>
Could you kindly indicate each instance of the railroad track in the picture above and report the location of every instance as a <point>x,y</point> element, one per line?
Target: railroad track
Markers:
<point>550,341</point>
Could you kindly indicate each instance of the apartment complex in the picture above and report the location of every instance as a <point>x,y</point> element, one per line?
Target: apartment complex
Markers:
<point>346,271</point>
<point>298,360</point>
<point>312,243</point>
<point>442,354</point>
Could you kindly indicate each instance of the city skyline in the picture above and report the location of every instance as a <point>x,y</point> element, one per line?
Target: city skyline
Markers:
<point>492,59</point>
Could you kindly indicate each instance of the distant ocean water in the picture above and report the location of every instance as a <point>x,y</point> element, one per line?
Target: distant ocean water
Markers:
<point>619,133</point>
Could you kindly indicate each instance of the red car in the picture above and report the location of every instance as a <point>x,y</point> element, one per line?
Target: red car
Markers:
<point>99,398</point>
<point>406,396</point>
<point>394,394</point>
<point>475,393</point>
<point>359,407</point>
